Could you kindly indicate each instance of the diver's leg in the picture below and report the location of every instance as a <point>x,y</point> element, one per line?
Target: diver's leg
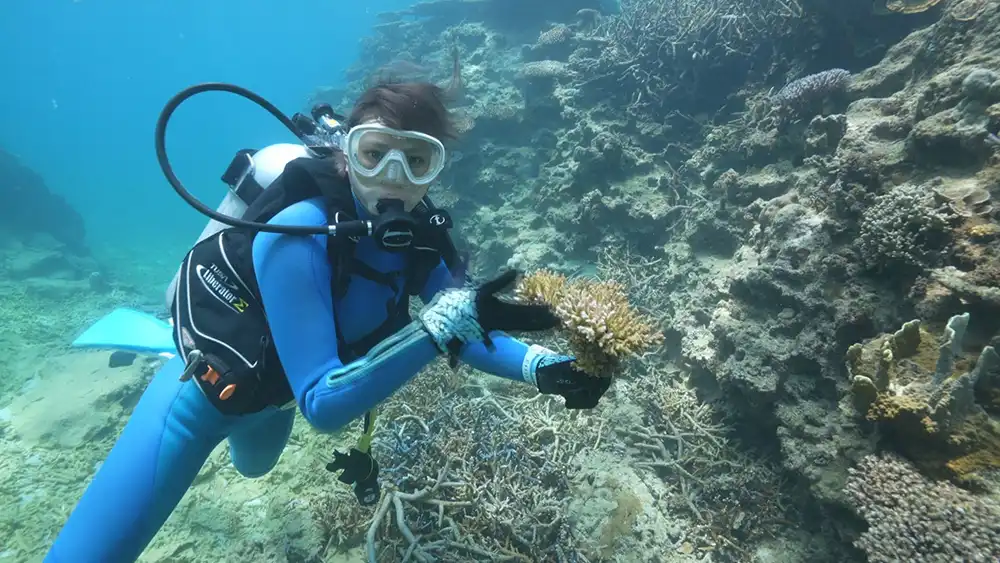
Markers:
<point>166,441</point>
<point>255,448</point>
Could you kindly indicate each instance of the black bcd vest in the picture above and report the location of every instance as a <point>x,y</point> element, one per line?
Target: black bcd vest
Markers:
<point>217,309</point>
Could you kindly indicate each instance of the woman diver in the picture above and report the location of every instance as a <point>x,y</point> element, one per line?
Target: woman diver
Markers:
<point>336,339</point>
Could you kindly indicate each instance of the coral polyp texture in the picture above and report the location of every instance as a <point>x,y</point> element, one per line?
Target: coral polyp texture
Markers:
<point>912,518</point>
<point>602,327</point>
<point>813,87</point>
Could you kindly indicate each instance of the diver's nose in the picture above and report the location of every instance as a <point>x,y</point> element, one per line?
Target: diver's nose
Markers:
<point>394,173</point>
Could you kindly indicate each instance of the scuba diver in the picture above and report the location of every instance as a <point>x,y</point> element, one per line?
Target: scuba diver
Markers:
<point>300,298</point>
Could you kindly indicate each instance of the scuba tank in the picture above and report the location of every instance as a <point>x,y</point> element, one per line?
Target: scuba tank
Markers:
<point>252,171</point>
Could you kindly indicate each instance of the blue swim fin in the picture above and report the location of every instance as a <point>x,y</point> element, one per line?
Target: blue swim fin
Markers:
<point>131,331</point>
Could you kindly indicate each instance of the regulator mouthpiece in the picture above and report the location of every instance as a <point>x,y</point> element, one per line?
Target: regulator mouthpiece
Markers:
<point>394,227</point>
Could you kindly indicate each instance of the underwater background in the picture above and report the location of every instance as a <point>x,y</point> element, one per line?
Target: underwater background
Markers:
<point>86,81</point>
<point>798,193</point>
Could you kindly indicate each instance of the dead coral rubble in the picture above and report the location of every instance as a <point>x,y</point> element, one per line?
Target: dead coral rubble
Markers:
<point>685,440</point>
<point>653,46</point>
<point>479,471</point>
<point>470,474</point>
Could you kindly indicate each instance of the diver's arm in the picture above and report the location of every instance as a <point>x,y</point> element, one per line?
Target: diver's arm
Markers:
<point>293,274</point>
<point>512,359</point>
<point>551,373</point>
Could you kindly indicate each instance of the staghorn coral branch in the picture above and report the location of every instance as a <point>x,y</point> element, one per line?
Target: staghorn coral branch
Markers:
<point>497,501</point>
<point>395,498</point>
<point>416,419</point>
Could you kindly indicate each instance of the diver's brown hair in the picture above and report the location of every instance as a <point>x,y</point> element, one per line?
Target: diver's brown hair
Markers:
<point>414,106</point>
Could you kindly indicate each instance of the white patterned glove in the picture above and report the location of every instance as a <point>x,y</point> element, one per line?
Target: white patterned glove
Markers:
<point>451,317</point>
<point>457,317</point>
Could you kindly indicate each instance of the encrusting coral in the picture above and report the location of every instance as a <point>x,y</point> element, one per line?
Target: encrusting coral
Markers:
<point>923,393</point>
<point>601,326</point>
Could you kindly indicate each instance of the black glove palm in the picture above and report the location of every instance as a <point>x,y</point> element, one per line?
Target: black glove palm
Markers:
<point>496,314</point>
<point>361,471</point>
<point>557,375</point>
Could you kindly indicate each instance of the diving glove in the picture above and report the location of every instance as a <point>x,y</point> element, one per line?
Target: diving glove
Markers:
<point>460,316</point>
<point>360,470</point>
<point>557,375</point>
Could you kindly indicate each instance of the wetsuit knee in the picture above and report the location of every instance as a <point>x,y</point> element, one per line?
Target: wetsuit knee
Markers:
<point>256,448</point>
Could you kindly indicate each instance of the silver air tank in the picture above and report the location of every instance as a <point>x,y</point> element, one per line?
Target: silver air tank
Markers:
<point>262,167</point>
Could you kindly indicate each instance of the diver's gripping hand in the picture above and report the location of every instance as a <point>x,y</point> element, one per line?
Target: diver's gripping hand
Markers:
<point>557,375</point>
<point>459,316</point>
<point>360,470</point>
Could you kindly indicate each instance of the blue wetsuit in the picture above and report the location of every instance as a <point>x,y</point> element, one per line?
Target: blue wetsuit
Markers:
<point>174,428</point>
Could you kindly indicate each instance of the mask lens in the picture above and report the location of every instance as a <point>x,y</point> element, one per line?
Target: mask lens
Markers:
<point>370,149</point>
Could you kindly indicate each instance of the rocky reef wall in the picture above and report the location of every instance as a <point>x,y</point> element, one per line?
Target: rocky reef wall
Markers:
<point>29,207</point>
<point>800,180</point>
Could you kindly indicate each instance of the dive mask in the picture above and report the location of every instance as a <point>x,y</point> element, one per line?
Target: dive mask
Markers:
<point>377,152</point>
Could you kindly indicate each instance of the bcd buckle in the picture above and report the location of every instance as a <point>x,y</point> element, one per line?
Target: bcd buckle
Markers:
<point>218,384</point>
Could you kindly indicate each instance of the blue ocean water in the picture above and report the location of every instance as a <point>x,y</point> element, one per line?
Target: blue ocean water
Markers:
<point>84,82</point>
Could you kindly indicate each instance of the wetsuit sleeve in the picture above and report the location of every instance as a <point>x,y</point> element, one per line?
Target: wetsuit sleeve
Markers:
<point>510,353</point>
<point>294,278</point>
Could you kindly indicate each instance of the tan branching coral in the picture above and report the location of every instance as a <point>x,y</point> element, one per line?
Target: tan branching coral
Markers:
<point>542,286</point>
<point>600,324</point>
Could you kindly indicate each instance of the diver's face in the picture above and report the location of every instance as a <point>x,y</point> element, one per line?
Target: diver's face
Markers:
<point>392,181</point>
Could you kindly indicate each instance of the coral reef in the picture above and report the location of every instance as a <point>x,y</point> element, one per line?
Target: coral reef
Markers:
<point>905,6</point>
<point>538,483</point>
<point>912,372</point>
<point>914,519</point>
<point>603,328</point>
<point>922,392</point>
<point>25,194</point>
<point>476,468</point>
<point>747,221</point>
<point>673,37</point>
<point>687,442</point>
<point>807,91</point>
<point>479,470</point>
<point>767,245</point>
<point>904,227</point>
